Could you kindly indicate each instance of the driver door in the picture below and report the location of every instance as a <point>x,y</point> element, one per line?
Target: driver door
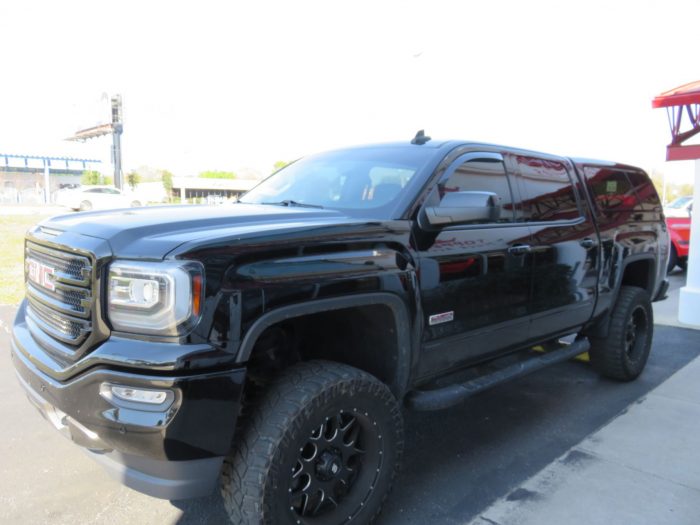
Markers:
<point>475,278</point>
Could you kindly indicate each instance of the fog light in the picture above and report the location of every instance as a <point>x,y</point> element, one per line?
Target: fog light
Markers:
<point>130,396</point>
<point>152,397</point>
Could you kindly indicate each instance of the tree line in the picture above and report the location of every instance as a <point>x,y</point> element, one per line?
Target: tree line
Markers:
<point>134,178</point>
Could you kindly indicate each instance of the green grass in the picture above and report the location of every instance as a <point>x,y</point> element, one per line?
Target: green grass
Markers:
<point>12,230</point>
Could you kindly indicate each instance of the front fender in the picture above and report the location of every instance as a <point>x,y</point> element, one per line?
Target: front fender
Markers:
<point>397,306</point>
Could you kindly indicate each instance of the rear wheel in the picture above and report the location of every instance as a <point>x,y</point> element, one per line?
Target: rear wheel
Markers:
<point>321,446</point>
<point>85,206</point>
<point>624,353</point>
<point>135,204</point>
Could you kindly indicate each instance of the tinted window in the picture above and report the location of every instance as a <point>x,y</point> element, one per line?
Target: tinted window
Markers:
<point>482,175</point>
<point>547,190</point>
<point>611,189</point>
<point>643,187</point>
<point>617,190</point>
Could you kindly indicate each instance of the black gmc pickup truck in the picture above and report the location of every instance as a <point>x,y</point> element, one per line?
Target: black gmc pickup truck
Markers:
<point>270,346</point>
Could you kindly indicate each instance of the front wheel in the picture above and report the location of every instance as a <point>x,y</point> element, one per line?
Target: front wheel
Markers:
<point>321,445</point>
<point>85,206</point>
<point>624,353</point>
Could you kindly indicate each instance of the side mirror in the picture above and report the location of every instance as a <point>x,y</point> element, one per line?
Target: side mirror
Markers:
<point>461,207</point>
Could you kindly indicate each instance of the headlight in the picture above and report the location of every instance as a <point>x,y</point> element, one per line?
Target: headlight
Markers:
<point>163,298</point>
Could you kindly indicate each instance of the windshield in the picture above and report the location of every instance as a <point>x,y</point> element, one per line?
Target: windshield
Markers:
<point>359,181</point>
<point>680,202</point>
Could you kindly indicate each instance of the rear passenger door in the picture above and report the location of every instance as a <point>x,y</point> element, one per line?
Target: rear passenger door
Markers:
<point>564,244</point>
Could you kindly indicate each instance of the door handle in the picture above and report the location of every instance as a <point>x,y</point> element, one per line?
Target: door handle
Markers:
<point>519,249</point>
<point>587,243</point>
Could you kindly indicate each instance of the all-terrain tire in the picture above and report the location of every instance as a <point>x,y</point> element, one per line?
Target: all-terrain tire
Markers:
<point>320,427</point>
<point>623,354</point>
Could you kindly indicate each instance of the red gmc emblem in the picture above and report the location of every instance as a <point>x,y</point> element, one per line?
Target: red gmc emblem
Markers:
<point>40,274</point>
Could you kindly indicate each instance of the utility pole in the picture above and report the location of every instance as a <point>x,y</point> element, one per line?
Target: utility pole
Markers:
<point>114,128</point>
<point>117,128</point>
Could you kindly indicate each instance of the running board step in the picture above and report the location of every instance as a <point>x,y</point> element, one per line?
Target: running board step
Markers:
<point>440,398</point>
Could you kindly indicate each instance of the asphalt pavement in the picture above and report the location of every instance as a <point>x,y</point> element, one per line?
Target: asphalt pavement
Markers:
<point>557,445</point>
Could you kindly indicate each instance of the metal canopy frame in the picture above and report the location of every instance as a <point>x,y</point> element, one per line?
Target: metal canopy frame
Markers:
<point>683,109</point>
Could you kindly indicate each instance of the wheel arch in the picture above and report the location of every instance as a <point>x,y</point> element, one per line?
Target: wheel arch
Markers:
<point>394,305</point>
<point>638,270</point>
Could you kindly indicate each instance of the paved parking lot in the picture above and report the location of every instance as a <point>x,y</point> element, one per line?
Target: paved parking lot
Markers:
<point>457,461</point>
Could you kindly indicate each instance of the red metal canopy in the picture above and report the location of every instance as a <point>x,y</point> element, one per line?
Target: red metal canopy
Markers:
<point>683,100</point>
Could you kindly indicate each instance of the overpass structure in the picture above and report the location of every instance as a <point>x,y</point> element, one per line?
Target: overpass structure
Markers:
<point>33,177</point>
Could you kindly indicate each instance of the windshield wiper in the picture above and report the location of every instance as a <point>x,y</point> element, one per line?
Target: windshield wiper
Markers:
<point>289,202</point>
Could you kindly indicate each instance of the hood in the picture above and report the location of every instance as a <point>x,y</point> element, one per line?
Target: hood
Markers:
<point>155,231</point>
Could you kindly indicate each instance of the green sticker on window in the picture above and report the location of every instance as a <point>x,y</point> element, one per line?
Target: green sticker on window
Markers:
<point>611,186</point>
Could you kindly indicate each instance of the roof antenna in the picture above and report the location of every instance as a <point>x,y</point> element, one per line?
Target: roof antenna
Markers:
<point>420,138</point>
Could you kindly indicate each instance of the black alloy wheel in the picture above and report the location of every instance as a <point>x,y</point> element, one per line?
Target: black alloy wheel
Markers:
<point>636,333</point>
<point>339,462</point>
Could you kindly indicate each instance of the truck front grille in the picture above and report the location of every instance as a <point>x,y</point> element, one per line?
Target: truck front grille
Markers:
<point>61,301</point>
<point>59,327</point>
<point>70,267</point>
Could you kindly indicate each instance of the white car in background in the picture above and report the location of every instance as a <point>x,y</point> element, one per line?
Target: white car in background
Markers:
<point>682,207</point>
<point>96,198</point>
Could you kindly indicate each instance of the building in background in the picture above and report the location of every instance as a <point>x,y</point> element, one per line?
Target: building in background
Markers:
<point>210,191</point>
<point>33,179</point>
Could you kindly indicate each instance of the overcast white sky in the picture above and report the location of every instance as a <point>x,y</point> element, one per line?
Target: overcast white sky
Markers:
<point>230,85</point>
